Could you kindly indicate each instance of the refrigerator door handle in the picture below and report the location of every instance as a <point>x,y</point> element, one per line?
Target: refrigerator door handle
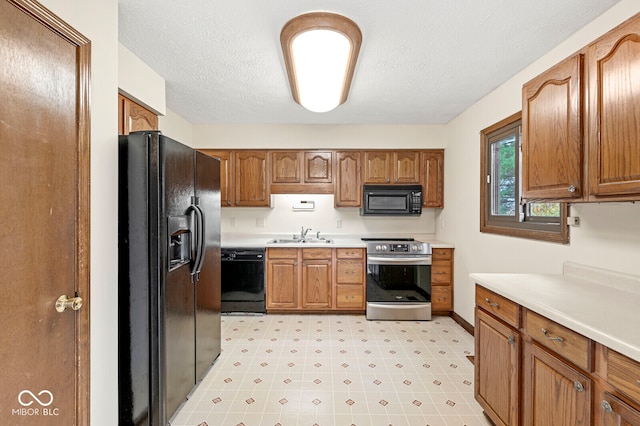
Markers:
<point>198,224</point>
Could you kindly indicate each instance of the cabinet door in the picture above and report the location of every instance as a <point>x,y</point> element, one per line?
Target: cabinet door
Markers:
<point>348,186</point>
<point>226,175</point>
<point>134,117</point>
<point>317,167</point>
<point>552,148</point>
<point>497,364</point>
<point>285,166</point>
<point>406,167</point>
<point>554,393</point>
<point>377,166</point>
<point>614,107</point>
<point>432,178</point>
<point>282,283</point>
<point>316,283</point>
<point>611,411</point>
<point>251,174</point>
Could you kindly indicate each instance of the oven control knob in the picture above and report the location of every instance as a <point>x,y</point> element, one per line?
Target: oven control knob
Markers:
<point>378,247</point>
<point>415,248</point>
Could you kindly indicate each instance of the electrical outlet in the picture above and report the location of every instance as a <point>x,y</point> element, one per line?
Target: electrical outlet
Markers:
<point>233,221</point>
<point>338,223</point>
<point>260,222</point>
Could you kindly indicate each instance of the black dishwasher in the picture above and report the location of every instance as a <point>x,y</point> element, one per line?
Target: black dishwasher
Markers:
<point>243,280</point>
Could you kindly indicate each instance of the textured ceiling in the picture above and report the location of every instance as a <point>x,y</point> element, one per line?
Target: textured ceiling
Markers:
<point>421,61</point>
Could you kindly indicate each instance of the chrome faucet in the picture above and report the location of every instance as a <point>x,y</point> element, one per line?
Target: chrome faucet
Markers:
<point>303,232</point>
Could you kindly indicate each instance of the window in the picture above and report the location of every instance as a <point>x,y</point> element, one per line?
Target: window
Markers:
<point>502,209</point>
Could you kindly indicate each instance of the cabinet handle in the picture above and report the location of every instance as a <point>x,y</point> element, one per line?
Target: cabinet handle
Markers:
<point>606,406</point>
<point>571,189</point>
<point>578,386</point>
<point>494,304</point>
<point>546,334</point>
<point>511,340</point>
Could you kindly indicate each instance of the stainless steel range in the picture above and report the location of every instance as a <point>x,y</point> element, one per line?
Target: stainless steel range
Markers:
<point>398,279</point>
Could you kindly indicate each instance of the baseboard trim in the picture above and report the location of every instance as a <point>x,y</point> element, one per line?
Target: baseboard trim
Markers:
<point>463,323</point>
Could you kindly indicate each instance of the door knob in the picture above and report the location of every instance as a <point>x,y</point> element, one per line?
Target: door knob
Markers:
<point>65,302</point>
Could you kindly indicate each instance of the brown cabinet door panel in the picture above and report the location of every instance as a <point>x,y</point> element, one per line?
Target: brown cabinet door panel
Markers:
<point>555,394</point>
<point>497,369</point>
<point>251,176</point>
<point>316,284</point>
<point>377,166</point>
<point>614,124</point>
<point>282,284</point>
<point>348,185</point>
<point>317,167</point>
<point>552,146</point>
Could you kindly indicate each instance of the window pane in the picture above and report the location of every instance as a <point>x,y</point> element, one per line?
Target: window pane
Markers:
<point>503,177</point>
<point>544,210</point>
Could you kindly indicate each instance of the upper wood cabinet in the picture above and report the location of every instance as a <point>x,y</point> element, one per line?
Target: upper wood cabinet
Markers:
<point>614,106</point>
<point>348,185</point>
<point>226,176</point>
<point>392,167</point>
<point>432,178</point>
<point>133,117</point>
<point>251,178</point>
<point>308,172</point>
<point>581,123</point>
<point>552,148</point>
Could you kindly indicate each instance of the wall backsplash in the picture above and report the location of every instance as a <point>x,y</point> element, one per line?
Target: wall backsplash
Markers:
<point>281,218</point>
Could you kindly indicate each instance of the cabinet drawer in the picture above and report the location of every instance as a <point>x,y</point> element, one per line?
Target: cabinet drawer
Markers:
<point>350,253</point>
<point>350,297</point>
<point>497,305</point>
<point>349,271</point>
<point>441,253</point>
<point>624,374</point>
<point>566,343</point>
<point>440,274</point>
<point>282,253</point>
<point>316,253</point>
<point>441,299</point>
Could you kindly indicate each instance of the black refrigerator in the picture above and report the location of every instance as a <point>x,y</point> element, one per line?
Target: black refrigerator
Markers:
<point>168,274</point>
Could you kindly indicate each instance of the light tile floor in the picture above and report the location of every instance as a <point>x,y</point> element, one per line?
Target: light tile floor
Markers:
<point>328,370</point>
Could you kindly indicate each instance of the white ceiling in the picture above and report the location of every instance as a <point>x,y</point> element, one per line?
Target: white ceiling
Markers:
<point>421,61</point>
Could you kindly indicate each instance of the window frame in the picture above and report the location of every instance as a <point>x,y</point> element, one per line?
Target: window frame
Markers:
<point>533,228</point>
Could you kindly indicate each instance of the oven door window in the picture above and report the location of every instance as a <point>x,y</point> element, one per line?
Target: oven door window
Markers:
<point>402,277</point>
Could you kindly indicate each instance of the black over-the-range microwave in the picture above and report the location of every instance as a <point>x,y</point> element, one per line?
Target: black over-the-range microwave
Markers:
<point>391,200</point>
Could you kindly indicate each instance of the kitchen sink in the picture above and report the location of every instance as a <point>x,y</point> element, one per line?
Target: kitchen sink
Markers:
<point>299,241</point>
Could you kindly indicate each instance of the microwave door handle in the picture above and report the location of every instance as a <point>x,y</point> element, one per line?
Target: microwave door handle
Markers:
<point>399,260</point>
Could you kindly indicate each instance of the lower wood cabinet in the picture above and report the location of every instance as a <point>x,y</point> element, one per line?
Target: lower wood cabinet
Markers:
<point>442,281</point>
<point>554,392</point>
<point>530,370</point>
<point>315,279</point>
<point>497,368</point>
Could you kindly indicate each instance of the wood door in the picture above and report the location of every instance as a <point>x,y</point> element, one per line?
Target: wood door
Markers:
<point>348,186</point>
<point>316,283</point>
<point>612,411</point>
<point>432,178</point>
<point>406,167</point>
<point>44,211</point>
<point>377,167</point>
<point>552,133</point>
<point>497,369</point>
<point>285,166</point>
<point>251,177</point>
<point>614,121</point>
<point>317,167</point>
<point>554,393</point>
<point>282,283</point>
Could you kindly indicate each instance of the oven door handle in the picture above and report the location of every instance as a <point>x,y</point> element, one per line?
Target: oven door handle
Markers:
<point>376,260</point>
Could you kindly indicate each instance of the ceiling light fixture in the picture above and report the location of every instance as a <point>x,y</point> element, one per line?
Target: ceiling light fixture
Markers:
<point>320,52</point>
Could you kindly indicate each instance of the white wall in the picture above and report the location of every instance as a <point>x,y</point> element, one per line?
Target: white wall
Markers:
<point>609,234</point>
<point>98,21</point>
<point>139,82</point>
<point>176,127</point>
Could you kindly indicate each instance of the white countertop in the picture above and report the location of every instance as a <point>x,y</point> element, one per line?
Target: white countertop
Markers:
<point>339,241</point>
<point>599,304</point>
